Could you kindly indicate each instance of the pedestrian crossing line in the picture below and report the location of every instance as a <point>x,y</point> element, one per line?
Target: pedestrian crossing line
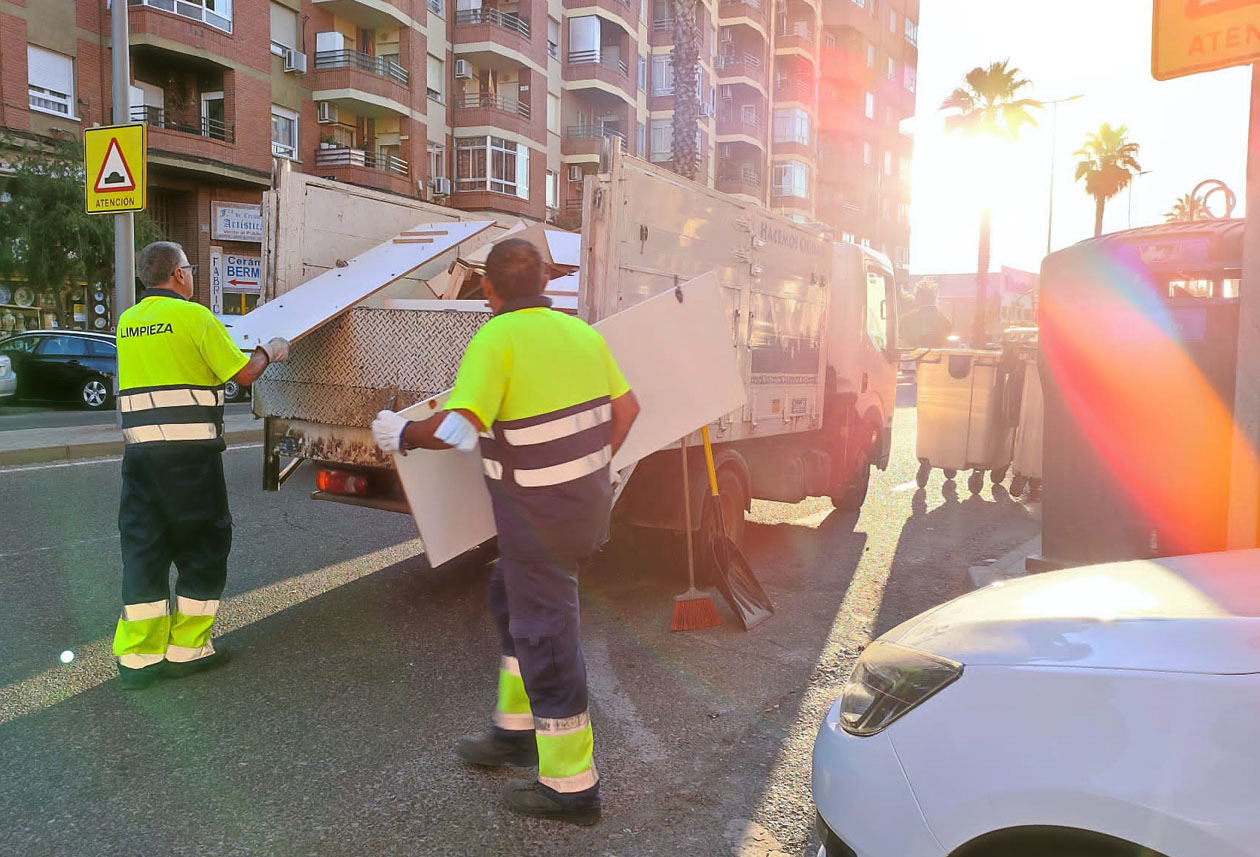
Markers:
<point>93,663</point>
<point>82,462</point>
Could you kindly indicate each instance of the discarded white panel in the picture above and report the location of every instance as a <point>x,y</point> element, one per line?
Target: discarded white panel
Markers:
<point>297,312</point>
<point>565,247</point>
<point>682,366</point>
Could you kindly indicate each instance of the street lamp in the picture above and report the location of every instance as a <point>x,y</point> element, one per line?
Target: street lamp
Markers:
<point>1132,181</point>
<point>1054,130</point>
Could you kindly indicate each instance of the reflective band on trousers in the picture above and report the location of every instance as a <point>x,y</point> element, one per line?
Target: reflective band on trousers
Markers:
<point>183,654</point>
<point>567,472</point>
<point>193,607</point>
<point>566,749</point>
<point>512,710</point>
<point>559,427</point>
<point>171,432</point>
<point>139,662</point>
<point>130,402</point>
<point>142,633</point>
<point>190,628</point>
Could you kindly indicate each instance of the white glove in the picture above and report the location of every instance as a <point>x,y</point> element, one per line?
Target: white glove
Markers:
<point>277,350</point>
<point>457,432</point>
<point>387,430</point>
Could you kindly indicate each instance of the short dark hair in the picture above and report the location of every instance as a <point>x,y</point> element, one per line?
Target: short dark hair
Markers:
<point>157,263</point>
<point>515,268</point>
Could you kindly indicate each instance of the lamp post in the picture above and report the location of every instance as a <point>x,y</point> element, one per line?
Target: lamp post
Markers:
<point>1131,183</point>
<point>1054,130</point>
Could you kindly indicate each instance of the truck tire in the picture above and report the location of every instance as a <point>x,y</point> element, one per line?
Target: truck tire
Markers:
<point>1018,485</point>
<point>851,497</point>
<point>734,499</point>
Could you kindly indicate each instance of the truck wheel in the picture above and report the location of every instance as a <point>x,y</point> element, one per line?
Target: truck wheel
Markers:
<point>852,496</point>
<point>734,500</point>
<point>925,473</point>
<point>975,482</point>
<point>1018,484</point>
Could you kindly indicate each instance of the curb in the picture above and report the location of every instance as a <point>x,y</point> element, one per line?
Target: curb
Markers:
<point>104,449</point>
<point>1007,567</point>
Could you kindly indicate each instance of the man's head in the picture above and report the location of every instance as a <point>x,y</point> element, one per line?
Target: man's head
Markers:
<point>164,265</point>
<point>514,270</point>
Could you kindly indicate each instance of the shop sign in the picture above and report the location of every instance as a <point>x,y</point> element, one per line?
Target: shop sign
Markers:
<point>235,222</point>
<point>241,274</point>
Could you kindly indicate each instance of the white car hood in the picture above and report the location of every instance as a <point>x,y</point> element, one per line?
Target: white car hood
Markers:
<point>1197,614</point>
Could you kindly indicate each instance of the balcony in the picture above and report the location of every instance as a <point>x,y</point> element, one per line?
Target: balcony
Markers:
<point>620,8</point>
<point>751,9</point>
<point>194,11</point>
<point>743,179</point>
<point>795,36</point>
<point>491,101</point>
<point>505,20</point>
<point>589,139</point>
<point>592,65</point>
<point>794,89</point>
<point>380,66</point>
<point>741,64</point>
<point>475,109</point>
<point>746,123</point>
<point>157,117</point>
<point>366,169</point>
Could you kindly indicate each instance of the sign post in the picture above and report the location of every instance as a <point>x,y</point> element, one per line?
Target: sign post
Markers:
<point>124,222</point>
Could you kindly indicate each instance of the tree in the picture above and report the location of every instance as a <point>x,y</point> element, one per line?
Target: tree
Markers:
<point>1187,208</point>
<point>1108,163</point>
<point>988,106</point>
<point>46,237</point>
<point>686,67</point>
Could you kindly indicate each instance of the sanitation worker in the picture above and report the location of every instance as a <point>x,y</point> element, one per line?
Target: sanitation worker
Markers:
<point>173,359</point>
<point>541,393</point>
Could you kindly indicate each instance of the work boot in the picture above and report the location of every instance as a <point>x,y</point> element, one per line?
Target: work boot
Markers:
<point>526,797</point>
<point>133,679</point>
<point>495,750</point>
<point>179,669</point>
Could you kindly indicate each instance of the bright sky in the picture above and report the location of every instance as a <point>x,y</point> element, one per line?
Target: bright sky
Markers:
<point>1189,129</point>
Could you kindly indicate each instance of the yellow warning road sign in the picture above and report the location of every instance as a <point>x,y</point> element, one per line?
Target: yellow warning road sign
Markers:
<point>115,169</point>
<point>1190,36</point>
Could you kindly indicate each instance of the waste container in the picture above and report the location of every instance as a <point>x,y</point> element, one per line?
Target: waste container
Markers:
<point>962,418</point>
<point>1026,463</point>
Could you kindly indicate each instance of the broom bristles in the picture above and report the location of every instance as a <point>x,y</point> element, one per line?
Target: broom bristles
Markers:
<point>694,610</point>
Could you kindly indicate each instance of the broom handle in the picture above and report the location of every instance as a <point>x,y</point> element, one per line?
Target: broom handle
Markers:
<point>708,460</point>
<point>691,561</point>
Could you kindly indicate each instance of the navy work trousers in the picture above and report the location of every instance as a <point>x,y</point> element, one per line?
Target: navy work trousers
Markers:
<point>173,509</point>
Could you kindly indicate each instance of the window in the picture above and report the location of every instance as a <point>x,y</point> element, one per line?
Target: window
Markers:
<point>868,152</point>
<point>912,32</point>
<point>435,71</point>
<point>213,116</point>
<point>892,69</point>
<point>640,139</point>
<point>892,21</point>
<point>553,37</point>
<point>642,74</point>
<point>662,140</point>
<point>284,133</point>
<point>887,163</point>
<point>911,78</point>
<point>870,106</point>
<point>216,13</point>
<point>791,125</point>
<point>553,113</point>
<point>791,178</point>
<point>50,81</point>
<point>64,346</point>
<point>877,308</point>
<point>861,4</point>
<point>493,164</point>
<point>19,345</point>
<point>553,188</point>
<point>437,7</point>
<point>870,56</point>
<point>284,29</point>
<point>100,348</point>
<point>437,160</point>
<point>662,74</point>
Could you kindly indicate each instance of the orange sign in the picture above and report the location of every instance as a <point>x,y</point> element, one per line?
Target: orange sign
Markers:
<point>1191,36</point>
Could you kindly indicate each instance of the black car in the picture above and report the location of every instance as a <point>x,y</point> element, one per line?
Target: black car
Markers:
<point>64,366</point>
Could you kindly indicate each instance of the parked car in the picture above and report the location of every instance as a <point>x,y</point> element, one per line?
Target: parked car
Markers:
<point>8,379</point>
<point>64,366</point>
<point>1102,711</point>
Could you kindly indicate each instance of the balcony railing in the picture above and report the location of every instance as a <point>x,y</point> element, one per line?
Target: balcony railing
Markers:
<point>382,66</point>
<point>157,117</point>
<point>744,174</point>
<point>506,20</point>
<point>196,11</point>
<point>592,132</point>
<point>349,157</point>
<point>475,100</point>
<point>660,25</point>
<point>753,120</point>
<point>435,6</point>
<point>595,57</point>
<point>802,90</point>
<point>756,4</point>
<point>800,29</point>
<point>746,59</point>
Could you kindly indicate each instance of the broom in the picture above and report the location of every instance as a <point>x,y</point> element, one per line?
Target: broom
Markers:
<point>693,609</point>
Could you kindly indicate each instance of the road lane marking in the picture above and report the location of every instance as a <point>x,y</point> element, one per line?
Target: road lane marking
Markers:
<point>616,705</point>
<point>22,468</point>
<point>93,663</point>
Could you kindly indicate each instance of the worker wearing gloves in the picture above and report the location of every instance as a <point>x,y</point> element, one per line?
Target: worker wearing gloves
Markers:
<point>173,359</point>
<point>540,393</point>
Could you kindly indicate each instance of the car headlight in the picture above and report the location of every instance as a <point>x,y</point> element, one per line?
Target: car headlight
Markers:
<point>889,680</point>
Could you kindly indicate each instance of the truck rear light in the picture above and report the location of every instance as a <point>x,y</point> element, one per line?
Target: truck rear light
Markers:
<point>342,482</point>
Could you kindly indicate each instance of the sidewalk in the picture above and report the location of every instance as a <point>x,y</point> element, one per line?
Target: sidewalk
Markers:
<point>34,446</point>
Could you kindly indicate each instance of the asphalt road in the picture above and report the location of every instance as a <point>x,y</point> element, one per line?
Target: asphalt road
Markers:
<point>49,415</point>
<point>357,667</point>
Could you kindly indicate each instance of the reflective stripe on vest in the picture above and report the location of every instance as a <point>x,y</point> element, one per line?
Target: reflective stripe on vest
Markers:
<point>172,414</point>
<point>550,449</point>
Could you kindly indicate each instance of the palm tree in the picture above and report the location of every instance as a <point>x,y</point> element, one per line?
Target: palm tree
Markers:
<point>686,63</point>
<point>1186,209</point>
<point>988,106</point>
<point>1108,163</point>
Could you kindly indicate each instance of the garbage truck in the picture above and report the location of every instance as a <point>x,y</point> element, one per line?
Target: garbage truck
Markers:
<point>812,322</point>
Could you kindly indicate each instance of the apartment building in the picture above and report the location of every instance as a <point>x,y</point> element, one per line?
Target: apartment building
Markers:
<point>495,105</point>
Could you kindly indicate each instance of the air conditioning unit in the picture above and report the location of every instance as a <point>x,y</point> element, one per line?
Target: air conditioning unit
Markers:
<point>441,185</point>
<point>294,61</point>
<point>326,113</point>
<point>575,173</point>
<point>463,70</point>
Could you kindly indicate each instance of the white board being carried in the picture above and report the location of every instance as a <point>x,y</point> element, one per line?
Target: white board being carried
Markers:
<point>680,362</point>
<point>297,312</point>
